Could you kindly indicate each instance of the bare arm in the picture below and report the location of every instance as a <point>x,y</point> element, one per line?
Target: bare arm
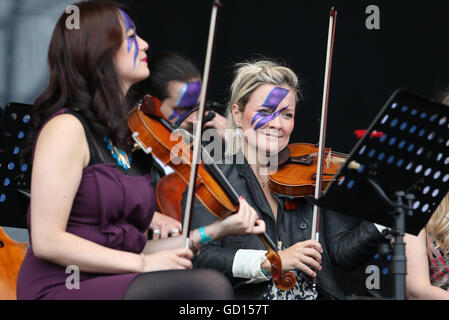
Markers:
<point>213,230</point>
<point>245,221</point>
<point>61,154</point>
<point>418,279</point>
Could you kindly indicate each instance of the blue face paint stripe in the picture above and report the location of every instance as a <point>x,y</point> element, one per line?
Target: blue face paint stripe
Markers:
<point>183,91</point>
<point>174,115</point>
<point>269,118</point>
<point>190,94</point>
<point>257,116</point>
<point>137,50</point>
<point>129,24</point>
<point>273,99</point>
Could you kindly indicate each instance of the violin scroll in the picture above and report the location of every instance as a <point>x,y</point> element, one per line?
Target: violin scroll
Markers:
<point>284,281</point>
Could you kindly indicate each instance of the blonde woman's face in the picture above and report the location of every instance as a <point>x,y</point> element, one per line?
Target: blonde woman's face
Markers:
<point>268,118</point>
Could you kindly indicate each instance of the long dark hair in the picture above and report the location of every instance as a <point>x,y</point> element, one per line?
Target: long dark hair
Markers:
<point>164,67</point>
<point>83,76</point>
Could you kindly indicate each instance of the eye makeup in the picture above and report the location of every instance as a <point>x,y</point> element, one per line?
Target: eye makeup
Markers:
<point>272,101</point>
<point>188,97</point>
<point>189,94</point>
<point>129,25</point>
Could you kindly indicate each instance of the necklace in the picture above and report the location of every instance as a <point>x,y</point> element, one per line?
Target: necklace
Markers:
<point>120,156</point>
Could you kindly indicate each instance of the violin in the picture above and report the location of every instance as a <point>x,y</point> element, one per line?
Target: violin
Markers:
<point>154,134</point>
<point>169,191</point>
<point>297,173</point>
<point>12,254</point>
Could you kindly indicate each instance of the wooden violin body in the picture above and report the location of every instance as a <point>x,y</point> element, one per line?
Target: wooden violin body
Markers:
<point>12,254</point>
<point>169,191</point>
<point>153,136</point>
<point>297,176</point>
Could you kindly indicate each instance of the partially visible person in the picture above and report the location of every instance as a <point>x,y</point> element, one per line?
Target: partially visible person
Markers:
<point>428,253</point>
<point>176,82</point>
<point>428,258</point>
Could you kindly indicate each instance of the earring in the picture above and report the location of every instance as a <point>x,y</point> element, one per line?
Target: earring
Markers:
<point>238,132</point>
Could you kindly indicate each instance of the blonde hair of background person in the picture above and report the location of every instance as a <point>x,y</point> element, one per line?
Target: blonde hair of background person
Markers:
<point>419,284</point>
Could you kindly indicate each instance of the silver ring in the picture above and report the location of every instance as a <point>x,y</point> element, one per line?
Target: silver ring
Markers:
<point>174,231</point>
<point>156,231</point>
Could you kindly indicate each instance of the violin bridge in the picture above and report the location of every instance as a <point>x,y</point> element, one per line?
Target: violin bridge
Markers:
<point>328,160</point>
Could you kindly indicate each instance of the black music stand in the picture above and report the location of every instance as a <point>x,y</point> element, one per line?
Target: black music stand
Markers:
<point>14,172</point>
<point>409,163</point>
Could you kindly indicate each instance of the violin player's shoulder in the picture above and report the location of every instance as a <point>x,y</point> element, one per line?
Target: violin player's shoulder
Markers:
<point>233,164</point>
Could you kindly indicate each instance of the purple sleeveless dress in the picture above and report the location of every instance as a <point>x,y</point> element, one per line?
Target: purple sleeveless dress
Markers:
<point>111,209</point>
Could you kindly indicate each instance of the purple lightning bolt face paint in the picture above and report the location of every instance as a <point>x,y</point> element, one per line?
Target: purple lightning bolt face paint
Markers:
<point>132,40</point>
<point>262,135</point>
<point>272,101</point>
<point>189,94</point>
<point>188,97</point>
<point>175,116</point>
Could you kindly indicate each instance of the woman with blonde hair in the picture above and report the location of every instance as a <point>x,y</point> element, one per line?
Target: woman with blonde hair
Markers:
<point>428,259</point>
<point>261,113</point>
<point>428,255</point>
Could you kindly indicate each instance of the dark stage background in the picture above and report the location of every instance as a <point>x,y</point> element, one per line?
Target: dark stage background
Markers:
<point>410,50</point>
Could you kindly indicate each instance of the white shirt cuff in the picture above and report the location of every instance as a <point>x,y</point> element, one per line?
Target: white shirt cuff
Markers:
<point>247,263</point>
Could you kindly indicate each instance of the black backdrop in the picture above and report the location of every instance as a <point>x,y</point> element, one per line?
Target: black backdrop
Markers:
<point>410,50</point>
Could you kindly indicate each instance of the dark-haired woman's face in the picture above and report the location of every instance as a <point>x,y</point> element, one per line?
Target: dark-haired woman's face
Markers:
<point>131,59</point>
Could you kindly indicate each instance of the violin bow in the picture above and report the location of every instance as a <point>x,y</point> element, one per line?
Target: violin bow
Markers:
<point>324,112</point>
<point>199,124</point>
<point>283,281</point>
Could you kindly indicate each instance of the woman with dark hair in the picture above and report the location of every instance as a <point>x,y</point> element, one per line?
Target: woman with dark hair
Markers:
<point>91,204</point>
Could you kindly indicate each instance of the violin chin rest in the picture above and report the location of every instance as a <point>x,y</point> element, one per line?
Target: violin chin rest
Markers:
<point>282,156</point>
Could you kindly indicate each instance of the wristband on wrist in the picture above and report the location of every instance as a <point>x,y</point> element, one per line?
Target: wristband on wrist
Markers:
<point>205,239</point>
<point>265,273</point>
<point>195,246</point>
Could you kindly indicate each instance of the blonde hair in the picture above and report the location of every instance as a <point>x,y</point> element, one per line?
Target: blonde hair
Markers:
<point>248,76</point>
<point>438,225</point>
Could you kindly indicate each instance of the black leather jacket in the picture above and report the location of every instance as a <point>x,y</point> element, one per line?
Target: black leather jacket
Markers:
<point>346,241</point>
